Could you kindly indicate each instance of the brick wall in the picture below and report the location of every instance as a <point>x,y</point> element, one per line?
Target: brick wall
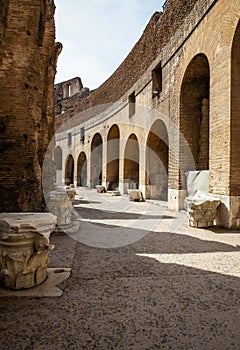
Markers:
<point>27,68</point>
<point>155,36</point>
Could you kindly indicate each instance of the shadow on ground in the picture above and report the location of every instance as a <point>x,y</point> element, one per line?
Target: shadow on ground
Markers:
<point>117,299</point>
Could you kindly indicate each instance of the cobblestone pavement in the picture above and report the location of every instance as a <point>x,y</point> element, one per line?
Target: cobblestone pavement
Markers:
<point>171,287</point>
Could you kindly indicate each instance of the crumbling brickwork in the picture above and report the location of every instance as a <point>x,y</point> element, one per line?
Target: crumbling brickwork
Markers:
<point>67,96</point>
<point>190,90</point>
<point>27,69</point>
<point>158,32</point>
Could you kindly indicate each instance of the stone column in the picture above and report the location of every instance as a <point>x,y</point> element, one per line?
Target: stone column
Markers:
<point>142,170</point>
<point>121,173</point>
<point>104,164</point>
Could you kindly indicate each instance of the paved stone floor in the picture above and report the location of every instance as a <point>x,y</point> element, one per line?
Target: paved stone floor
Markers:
<point>140,279</point>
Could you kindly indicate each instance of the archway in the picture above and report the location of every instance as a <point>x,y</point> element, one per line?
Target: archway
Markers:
<point>157,162</point>
<point>194,114</point>
<point>113,158</point>
<point>235,115</point>
<point>82,170</point>
<point>131,164</point>
<point>69,170</point>
<point>58,163</point>
<point>96,160</point>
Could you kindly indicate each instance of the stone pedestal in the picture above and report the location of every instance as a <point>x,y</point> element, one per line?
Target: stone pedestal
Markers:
<point>202,212</point>
<point>60,204</point>
<point>24,248</point>
<point>135,195</point>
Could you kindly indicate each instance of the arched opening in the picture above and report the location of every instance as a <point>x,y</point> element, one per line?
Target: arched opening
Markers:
<point>157,162</point>
<point>113,158</point>
<point>82,170</point>
<point>131,164</point>
<point>235,115</point>
<point>96,160</point>
<point>58,158</point>
<point>69,170</point>
<point>58,163</point>
<point>194,115</point>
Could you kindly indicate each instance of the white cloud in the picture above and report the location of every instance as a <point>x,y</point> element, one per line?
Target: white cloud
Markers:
<point>97,35</point>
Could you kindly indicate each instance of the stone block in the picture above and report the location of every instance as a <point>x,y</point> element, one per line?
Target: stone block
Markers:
<point>101,189</point>
<point>116,193</point>
<point>135,195</point>
<point>202,212</point>
<point>24,248</point>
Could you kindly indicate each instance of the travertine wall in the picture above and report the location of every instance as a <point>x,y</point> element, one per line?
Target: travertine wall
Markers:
<point>197,104</point>
<point>27,69</point>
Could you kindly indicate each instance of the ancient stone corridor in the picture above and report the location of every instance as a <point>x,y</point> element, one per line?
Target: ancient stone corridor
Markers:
<point>174,289</point>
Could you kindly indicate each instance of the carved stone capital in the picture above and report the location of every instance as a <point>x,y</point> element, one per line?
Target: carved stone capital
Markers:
<point>24,247</point>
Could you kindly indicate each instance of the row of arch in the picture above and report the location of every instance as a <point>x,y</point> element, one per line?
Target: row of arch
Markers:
<point>156,165</point>
<point>193,125</point>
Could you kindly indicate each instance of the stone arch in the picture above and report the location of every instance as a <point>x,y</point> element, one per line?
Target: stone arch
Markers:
<point>113,144</point>
<point>96,160</point>
<point>131,163</point>
<point>58,158</point>
<point>194,114</point>
<point>82,170</point>
<point>69,170</point>
<point>235,114</point>
<point>157,162</point>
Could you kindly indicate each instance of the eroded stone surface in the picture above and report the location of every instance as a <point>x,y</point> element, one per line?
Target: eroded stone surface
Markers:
<point>101,189</point>
<point>24,247</point>
<point>202,212</point>
<point>28,56</point>
<point>60,205</point>
<point>135,195</point>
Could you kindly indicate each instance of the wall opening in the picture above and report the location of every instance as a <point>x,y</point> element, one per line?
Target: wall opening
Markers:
<point>82,170</point>
<point>235,115</point>
<point>58,158</point>
<point>157,81</point>
<point>69,90</point>
<point>69,170</point>
<point>157,162</point>
<point>69,139</point>
<point>132,104</point>
<point>131,164</point>
<point>194,115</point>
<point>113,158</point>
<point>96,161</point>
<point>82,135</point>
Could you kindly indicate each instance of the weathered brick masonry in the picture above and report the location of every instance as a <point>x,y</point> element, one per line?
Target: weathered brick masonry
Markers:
<point>157,33</point>
<point>27,70</point>
<point>178,107</point>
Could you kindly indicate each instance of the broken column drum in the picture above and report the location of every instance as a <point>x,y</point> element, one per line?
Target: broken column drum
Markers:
<point>60,204</point>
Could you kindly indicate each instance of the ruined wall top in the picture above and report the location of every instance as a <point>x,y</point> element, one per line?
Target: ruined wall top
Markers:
<point>156,35</point>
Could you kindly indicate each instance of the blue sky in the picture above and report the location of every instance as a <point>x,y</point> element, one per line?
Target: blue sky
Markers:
<point>97,35</point>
